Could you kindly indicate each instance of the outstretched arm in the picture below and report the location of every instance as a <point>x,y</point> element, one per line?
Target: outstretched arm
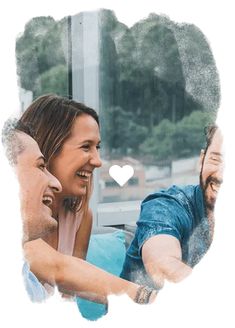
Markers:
<point>75,275</point>
<point>162,259</point>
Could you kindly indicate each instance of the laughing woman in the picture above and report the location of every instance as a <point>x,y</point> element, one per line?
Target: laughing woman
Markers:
<point>68,135</point>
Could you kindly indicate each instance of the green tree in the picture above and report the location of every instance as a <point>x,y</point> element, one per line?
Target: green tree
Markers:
<point>39,49</point>
<point>171,141</point>
<point>54,80</point>
<point>159,146</point>
<point>189,138</point>
<point>123,135</point>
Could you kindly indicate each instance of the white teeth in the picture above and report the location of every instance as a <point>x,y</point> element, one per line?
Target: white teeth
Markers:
<point>83,174</point>
<point>47,200</point>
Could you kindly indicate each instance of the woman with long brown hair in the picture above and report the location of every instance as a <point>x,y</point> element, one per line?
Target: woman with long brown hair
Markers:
<point>67,133</point>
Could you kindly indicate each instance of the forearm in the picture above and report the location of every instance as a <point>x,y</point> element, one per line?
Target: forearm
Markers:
<point>168,268</point>
<point>75,275</point>
<point>162,259</point>
<point>90,282</point>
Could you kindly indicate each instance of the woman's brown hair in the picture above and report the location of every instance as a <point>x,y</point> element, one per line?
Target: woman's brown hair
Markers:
<point>51,119</point>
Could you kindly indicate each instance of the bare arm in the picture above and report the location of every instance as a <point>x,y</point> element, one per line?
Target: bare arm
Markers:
<point>162,259</point>
<point>83,236</point>
<point>74,274</point>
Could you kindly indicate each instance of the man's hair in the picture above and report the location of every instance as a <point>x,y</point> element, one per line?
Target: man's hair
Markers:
<point>11,141</point>
<point>210,132</point>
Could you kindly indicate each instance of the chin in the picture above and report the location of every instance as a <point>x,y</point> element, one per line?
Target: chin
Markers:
<point>81,192</point>
<point>48,225</point>
<point>210,203</point>
<point>52,224</point>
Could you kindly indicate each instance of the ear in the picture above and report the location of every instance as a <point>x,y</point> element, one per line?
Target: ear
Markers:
<point>201,158</point>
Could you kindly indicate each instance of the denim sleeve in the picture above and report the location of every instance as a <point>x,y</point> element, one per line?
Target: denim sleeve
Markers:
<point>162,215</point>
<point>35,290</point>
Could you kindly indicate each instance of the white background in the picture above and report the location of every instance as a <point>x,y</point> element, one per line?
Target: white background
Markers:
<point>207,297</point>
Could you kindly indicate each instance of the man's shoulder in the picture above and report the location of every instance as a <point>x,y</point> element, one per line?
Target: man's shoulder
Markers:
<point>180,204</point>
<point>174,192</point>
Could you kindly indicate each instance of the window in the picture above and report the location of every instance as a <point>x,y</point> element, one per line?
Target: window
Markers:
<point>149,84</point>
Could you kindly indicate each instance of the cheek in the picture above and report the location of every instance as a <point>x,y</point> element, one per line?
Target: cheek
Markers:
<point>65,166</point>
<point>33,186</point>
<point>208,170</point>
<point>31,205</point>
<point>58,168</point>
<point>64,171</point>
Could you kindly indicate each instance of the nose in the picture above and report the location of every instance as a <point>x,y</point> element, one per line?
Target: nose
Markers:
<point>220,171</point>
<point>95,159</point>
<point>54,183</point>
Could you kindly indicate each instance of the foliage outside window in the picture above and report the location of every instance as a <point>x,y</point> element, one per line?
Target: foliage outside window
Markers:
<point>158,89</point>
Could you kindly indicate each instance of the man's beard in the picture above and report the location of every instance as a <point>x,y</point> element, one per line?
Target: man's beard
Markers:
<point>209,201</point>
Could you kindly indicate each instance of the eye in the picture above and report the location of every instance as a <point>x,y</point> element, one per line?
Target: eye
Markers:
<point>42,166</point>
<point>98,147</point>
<point>85,147</point>
<point>215,159</point>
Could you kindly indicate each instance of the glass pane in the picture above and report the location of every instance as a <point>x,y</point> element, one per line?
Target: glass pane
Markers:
<point>159,88</point>
<point>154,84</point>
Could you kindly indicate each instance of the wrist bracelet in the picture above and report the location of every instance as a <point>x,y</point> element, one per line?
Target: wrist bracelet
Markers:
<point>143,294</point>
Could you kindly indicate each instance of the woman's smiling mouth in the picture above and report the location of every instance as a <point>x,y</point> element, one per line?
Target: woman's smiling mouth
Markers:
<point>84,175</point>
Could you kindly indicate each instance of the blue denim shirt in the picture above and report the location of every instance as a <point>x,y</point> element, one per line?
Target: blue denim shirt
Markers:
<point>177,211</point>
<point>35,290</point>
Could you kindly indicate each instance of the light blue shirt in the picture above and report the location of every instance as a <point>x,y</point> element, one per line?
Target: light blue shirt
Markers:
<point>35,290</point>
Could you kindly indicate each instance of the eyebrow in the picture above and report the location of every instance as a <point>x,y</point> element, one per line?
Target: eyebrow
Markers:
<point>41,157</point>
<point>91,141</point>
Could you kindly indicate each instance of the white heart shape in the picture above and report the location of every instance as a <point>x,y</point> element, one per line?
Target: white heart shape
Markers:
<point>121,174</point>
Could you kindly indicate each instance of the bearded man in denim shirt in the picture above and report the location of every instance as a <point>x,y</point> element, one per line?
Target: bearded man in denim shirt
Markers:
<point>175,227</point>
